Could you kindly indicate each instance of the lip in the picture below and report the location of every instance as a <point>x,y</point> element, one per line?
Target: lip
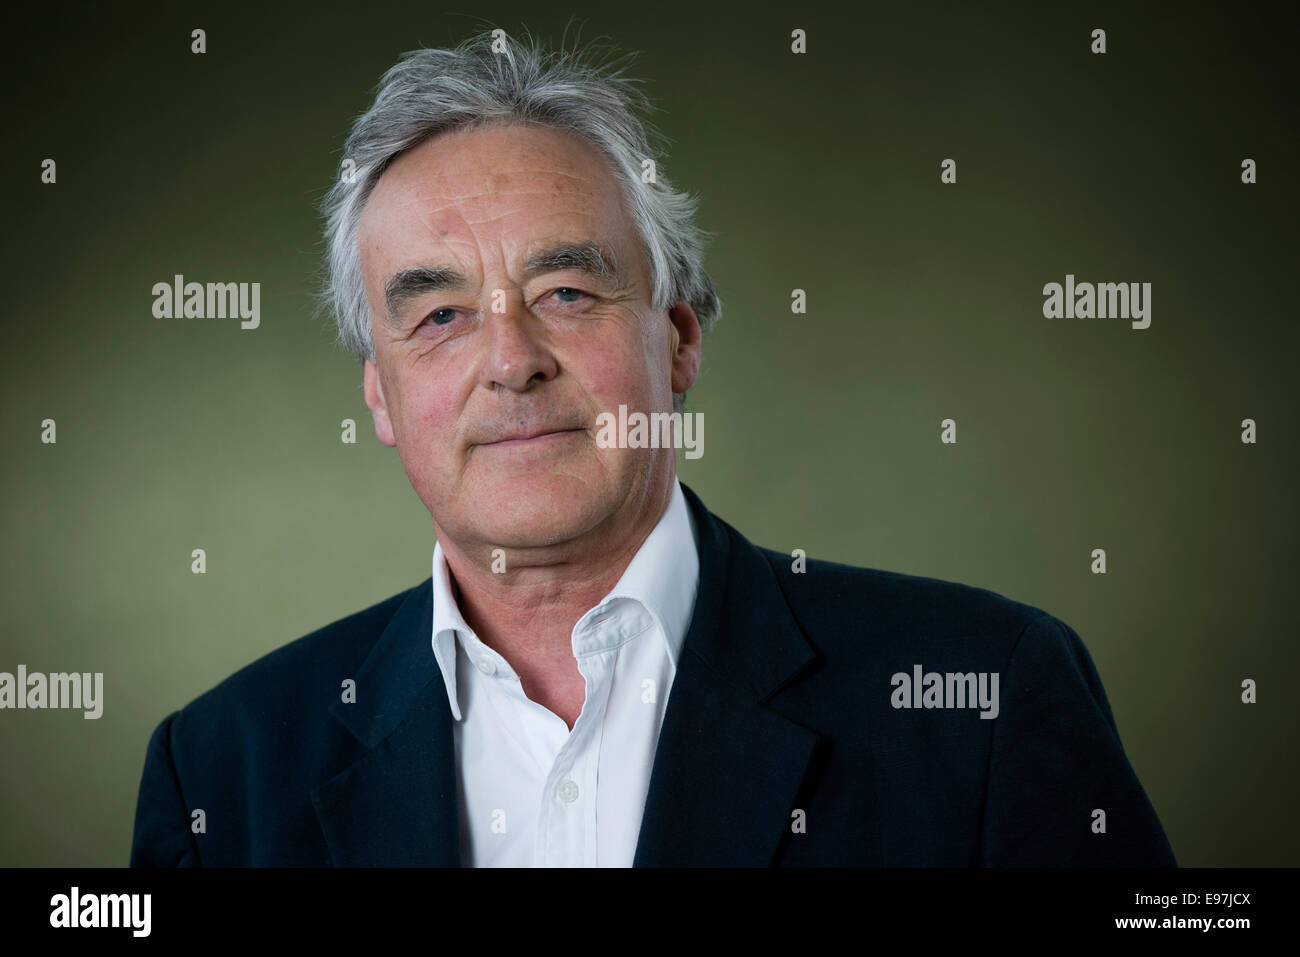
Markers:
<point>536,438</point>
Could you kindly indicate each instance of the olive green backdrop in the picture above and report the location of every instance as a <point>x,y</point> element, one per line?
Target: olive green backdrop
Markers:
<point>818,172</point>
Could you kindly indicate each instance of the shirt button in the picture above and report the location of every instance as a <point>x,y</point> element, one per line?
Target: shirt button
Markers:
<point>567,791</point>
<point>486,666</point>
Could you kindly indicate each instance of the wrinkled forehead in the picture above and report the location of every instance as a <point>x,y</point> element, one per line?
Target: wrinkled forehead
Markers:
<point>518,185</point>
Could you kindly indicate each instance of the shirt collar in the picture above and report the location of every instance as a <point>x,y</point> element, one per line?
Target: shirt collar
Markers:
<point>662,579</point>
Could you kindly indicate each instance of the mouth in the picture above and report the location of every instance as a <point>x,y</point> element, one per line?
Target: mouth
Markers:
<point>526,440</point>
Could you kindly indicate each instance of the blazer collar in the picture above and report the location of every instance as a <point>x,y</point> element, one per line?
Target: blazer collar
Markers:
<point>397,805</point>
<point>729,766</point>
<point>727,769</point>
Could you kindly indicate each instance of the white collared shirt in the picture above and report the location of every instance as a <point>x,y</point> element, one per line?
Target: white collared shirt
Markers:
<point>532,793</point>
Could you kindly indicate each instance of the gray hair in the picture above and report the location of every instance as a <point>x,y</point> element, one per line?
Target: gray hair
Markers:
<point>428,92</point>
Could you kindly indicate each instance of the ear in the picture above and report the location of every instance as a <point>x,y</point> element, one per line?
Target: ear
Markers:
<point>374,392</point>
<point>685,346</point>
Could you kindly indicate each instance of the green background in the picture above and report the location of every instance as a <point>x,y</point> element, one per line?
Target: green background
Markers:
<point>819,172</point>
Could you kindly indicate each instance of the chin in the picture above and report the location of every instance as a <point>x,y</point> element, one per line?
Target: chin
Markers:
<point>536,510</point>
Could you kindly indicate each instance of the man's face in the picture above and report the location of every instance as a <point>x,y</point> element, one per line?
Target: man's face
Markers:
<point>490,381</point>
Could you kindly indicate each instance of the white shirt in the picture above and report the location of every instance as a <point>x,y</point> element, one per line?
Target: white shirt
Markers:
<point>532,793</point>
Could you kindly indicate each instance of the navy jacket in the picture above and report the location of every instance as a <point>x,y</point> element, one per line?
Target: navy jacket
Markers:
<point>781,742</point>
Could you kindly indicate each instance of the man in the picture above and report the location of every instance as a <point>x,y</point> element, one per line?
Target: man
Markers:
<point>599,671</point>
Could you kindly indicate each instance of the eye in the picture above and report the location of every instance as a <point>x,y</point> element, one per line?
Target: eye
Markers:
<point>440,317</point>
<point>566,291</point>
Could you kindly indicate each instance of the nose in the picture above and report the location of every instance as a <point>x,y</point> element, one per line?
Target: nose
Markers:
<point>518,355</point>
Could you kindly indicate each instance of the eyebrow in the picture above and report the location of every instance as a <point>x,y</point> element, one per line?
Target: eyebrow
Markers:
<point>588,257</point>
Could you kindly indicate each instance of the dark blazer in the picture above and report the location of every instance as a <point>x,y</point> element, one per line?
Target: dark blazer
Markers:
<point>782,703</point>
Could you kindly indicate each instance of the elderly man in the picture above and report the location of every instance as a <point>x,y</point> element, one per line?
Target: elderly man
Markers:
<point>599,671</point>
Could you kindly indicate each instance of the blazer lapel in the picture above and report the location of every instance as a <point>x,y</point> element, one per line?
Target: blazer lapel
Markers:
<point>728,767</point>
<point>397,805</point>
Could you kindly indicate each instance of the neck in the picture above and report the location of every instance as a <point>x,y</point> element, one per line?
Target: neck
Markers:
<point>527,613</point>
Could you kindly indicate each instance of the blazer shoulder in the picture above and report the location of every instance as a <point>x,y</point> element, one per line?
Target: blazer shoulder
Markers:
<point>309,662</point>
<point>891,606</point>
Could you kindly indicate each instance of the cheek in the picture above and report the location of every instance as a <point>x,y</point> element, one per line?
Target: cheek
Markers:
<point>614,370</point>
<point>425,427</point>
<point>655,341</point>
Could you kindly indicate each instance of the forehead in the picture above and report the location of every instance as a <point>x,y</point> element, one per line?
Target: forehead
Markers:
<point>515,183</point>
